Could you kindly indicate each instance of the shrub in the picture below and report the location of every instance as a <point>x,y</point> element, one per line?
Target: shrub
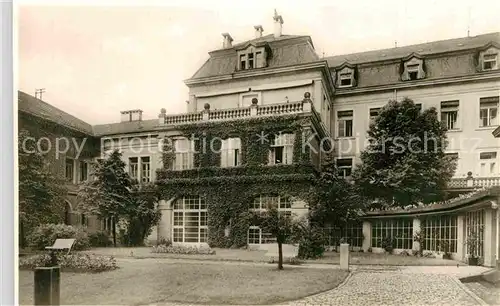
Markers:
<point>404,253</point>
<point>369,250</point>
<point>181,249</point>
<point>163,241</point>
<point>77,262</point>
<point>387,244</point>
<point>46,234</point>
<point>311,244</point>
<point>99,239</point>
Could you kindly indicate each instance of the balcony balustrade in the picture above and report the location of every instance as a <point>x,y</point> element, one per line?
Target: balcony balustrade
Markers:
<point>298,107</point>
<point>473,182</point>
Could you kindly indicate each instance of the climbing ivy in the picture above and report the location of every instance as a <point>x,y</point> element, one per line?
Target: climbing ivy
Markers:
<point>229,192</point>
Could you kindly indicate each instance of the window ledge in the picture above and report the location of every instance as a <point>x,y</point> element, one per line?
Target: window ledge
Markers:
<point>455,131</point>
<point>346,138</point>
<point>485,128</point>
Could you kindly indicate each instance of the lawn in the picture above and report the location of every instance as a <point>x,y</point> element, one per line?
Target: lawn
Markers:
<point>149,281</point>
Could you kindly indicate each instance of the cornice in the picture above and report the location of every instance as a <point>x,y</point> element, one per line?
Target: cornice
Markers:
<point>257,72</point>
<point>421,83</point>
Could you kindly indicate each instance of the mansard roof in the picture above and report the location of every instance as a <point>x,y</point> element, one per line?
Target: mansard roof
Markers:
<point>286,50</point>
<point>435,47</point>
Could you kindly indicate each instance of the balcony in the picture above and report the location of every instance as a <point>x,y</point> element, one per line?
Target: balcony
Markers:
<point>254,111</point>
<point>473,182</point>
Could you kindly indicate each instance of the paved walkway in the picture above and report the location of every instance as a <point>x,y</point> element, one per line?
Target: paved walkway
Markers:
<point>395,288</point>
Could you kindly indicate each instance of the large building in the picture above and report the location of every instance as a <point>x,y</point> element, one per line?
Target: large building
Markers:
<point>258,111</point>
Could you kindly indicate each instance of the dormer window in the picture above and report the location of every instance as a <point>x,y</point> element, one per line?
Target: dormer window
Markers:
<point>413,69</point>
<point>345,76</point>
<point>490,61</point>
<point>252,57</point>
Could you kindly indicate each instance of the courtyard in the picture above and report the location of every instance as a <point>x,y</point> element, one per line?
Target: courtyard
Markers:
<point>168,281</point>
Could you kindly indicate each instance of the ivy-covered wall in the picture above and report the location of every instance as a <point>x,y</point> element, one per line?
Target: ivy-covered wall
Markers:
<point>229,192</point>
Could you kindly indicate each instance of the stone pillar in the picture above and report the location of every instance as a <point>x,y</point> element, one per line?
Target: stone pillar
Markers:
<point>165,224</point>
<point>307,103</point>
<point>367,235</point>
<point>317,96</point>
<point>416,230</point>
<point>490,226</point>
<point>193,105</point>
<point>344,256</point>
<point>461,237</point>
<point>47,286</point>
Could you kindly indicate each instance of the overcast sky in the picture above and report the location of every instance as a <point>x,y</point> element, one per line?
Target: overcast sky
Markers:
<point>95,61</point>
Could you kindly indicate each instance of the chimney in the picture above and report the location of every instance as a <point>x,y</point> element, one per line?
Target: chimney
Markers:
<point>278,24</point>
<point>227,42</point>
<point>258,31</point>
<point>131,115</point>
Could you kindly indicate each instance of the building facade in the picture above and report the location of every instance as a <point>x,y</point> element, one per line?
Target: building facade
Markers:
<point>256,117</point>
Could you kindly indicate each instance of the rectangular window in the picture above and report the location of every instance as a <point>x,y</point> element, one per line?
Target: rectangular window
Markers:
<point>413,71</point>
<point>345,122</point>
<point>488,163</point>
<point>488,111</point>
<point>231,152</point>
<point>83,169</point>
<point>243,62</point>
<point>281,151</point>
<point>70,164</point>
<point>250,61</point>
<point>400,230</point>
<point>440,234</point>
<point>352,233</point>
<point>183,154</point>
<point>345,79</point>
<point>145,169</point>
<point>133,166</point>
<point>449,114</point>
<point>190,220</point>
<point>374,113</point>
<point>474,226</point>
<point>489,61</point>
<point>344,166</point>
<point>258,59</point>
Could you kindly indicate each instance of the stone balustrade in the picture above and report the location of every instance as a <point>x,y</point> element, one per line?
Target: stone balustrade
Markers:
<point>254,110</point>
<point>473,182</point>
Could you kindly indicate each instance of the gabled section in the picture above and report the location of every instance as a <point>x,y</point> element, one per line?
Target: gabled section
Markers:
<point>346,75</point>
<point>487,57</point>
<point>412,67</point>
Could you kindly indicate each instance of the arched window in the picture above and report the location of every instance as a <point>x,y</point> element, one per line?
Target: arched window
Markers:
<point>190,220</point>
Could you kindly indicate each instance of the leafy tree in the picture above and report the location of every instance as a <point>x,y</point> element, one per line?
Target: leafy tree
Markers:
<point>143,214</point>
<point>405,161</point>
<point>334,201</point>
<point>41,192</point>
<point>281,226</point>
<point>109,194</point>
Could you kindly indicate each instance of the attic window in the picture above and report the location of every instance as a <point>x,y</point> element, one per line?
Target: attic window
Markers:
<point>252,58</point>
<point>346,79</point>
<point>412,71</point>
<point>490,61</point>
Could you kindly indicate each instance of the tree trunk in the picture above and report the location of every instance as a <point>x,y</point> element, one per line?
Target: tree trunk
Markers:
<point>113,225</point>
<point>280,255</point>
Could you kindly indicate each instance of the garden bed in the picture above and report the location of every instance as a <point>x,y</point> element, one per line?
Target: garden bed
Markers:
<point>77,262</point>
